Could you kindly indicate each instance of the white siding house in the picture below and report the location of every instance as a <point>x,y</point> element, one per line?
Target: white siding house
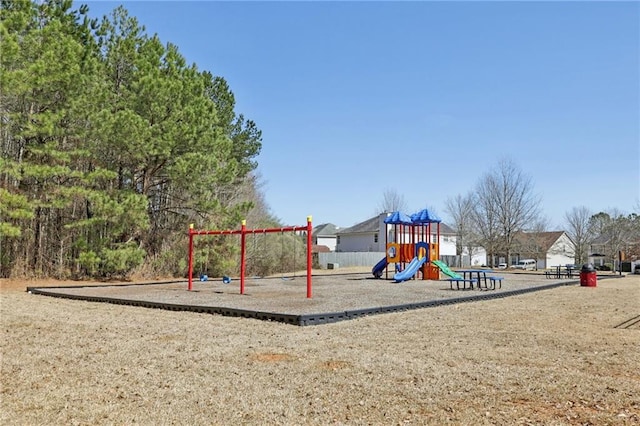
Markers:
<point>478,256</point>
<point>447,239</point>
<point>561,252</point>
<point>325,235</point>
<point>370,236</point>
<point>364,236</point>
<point>549,249</point>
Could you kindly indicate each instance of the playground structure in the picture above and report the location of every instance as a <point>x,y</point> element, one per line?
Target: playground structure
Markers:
<point>243,231</point>
<point>413,247</point>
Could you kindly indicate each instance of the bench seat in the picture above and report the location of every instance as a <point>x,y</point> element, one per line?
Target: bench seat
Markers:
<point>493,281</point>
<point>464,282</point>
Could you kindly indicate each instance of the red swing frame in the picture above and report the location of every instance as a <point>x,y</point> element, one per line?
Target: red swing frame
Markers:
<point>243,231</point>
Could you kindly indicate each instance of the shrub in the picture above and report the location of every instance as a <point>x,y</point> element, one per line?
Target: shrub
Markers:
<point>121,260</point>
<point>89,261</point>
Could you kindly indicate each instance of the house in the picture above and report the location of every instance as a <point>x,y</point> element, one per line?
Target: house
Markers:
<point>549,249</point>
<point>315,248</point>
<point>597,251</point>
<point>474,256</point>
<point>373,234</point>
<point>609,251</point>
<point>364,236</point>
<point>325,235</point>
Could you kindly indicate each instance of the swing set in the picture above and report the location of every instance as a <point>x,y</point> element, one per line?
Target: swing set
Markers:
<point>243,231</point>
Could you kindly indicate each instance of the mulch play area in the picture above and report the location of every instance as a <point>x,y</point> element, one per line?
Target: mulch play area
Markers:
<point>334,297</point>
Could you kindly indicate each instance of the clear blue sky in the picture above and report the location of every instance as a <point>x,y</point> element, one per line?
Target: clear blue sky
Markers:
<point>423,97</point>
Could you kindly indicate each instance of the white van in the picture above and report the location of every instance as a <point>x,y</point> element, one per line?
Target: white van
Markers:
<point>526,264</point>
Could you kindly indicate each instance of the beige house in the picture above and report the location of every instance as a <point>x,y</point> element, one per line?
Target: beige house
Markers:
<point>549,249</point>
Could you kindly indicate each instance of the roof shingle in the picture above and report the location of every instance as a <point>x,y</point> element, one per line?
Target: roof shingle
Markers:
<point>371,225</point>
<point>324,230</point>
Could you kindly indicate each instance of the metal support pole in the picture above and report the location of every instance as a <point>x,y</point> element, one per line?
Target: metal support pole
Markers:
<point>309,259</point>
<point>243,235</point>
<point>190,257</point>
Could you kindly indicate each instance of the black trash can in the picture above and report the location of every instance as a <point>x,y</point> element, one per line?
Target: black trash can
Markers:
<point>588,276</point>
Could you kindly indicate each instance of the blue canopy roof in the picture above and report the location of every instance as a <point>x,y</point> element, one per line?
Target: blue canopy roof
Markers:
<point>398,218</point>
<point>423,216</point>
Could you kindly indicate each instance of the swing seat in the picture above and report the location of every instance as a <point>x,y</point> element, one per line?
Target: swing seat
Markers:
<point>226,279</point>
<point>203,277</point>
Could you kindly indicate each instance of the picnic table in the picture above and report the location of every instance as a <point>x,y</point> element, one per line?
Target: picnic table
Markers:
<point>561,271</point>
<point>479,275</point>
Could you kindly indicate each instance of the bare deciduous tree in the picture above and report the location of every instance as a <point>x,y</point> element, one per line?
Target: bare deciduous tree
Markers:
<point>392,201</point>
<point>577,225</point>
<point>460,210</point>
<point>505,205</point>
<point>485,218</point>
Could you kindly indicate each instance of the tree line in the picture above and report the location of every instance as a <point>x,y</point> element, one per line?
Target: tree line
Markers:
<point>112,145</point>
<point>503,206</point>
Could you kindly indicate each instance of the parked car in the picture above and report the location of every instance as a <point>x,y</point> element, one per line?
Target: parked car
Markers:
<point>526,264</point>
<point>502,266</point>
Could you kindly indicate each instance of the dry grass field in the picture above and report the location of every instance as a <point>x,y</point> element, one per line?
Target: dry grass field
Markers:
<point>566,356</point>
